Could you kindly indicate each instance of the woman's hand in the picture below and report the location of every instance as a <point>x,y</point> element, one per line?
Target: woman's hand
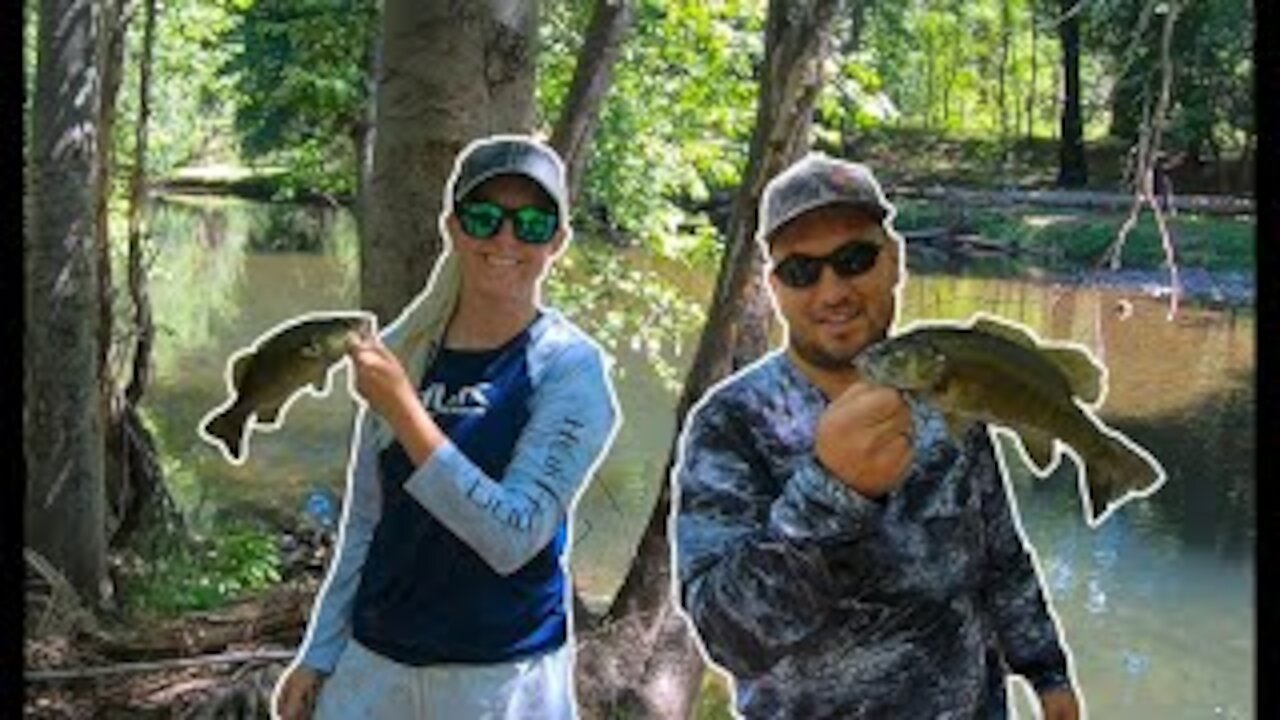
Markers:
<point>383,383</point>
<point>299,689</point>
<point>379,377</point>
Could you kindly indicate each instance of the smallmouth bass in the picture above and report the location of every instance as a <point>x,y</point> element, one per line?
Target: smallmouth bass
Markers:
<point>995,372</point>
<point>265,377</point>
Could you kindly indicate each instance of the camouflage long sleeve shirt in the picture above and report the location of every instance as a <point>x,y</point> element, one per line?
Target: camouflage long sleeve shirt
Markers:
<point>823,603</point>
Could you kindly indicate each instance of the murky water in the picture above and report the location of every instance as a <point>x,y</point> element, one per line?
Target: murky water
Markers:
<point>1156,605</point>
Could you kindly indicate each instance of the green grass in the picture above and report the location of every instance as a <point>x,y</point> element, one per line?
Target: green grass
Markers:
<point>173,575</point>
<point>1076,238</point>
<point>913,156</point>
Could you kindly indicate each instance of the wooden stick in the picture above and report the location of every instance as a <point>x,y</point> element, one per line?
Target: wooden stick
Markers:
<point>240,656</point>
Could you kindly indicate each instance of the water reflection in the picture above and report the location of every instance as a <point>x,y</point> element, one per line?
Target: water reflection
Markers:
<point>1156,604</point>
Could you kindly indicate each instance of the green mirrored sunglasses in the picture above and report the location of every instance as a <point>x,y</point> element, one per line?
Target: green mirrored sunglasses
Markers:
<point>532,224</point>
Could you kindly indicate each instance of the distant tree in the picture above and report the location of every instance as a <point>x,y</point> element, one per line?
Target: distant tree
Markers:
<point>303,72</point>
<point>63,517</point>
<point>1211,109</point>
<point>592,77</point>
<point>1072,169</point>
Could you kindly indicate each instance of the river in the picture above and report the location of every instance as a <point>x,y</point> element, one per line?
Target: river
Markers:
<point>1157,605</point>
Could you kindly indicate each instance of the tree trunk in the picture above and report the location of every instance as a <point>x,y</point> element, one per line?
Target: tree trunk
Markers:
<point>579,116</point>
<point>1004,70</point>
<point>592,77</point>
<point>1072,171</point>
<point>140,376</point>
<point>643,660</point>
<point>1031,93</point>
<point>930,60</point>
<point>452,72</point>
<point>112,24</point>
<point>63,515</point>
<point>362,136</point>
<point>135,490</point>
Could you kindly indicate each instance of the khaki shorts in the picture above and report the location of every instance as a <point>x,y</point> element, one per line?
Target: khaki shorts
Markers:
<point>367,685</point>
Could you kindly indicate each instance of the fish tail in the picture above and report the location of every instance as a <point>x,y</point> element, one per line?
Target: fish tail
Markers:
<point>1118,470</point>
<point>228,428</point>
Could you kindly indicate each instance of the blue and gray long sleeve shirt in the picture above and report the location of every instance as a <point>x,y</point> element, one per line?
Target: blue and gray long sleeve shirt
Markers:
<point>823,603</point>
<point>461,560</point>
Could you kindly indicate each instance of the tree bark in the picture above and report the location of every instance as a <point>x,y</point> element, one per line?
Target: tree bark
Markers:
<point>1004,70</point>
<point>362,136</point>
<point>592,77</point>
<point>1072,170</point>
<point>112,25</point>
<point>64,508</point>
<point>140,376</point>
<point>452,72</point>
<point>1031,93</point>
<point>643,660</point>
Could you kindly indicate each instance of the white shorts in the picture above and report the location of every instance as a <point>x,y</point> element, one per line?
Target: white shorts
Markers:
<point>365,684</point>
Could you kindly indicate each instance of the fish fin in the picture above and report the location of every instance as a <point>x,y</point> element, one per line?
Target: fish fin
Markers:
<point>228,429</point>
<point>1006,331</point>
<point>239,368</point>
<point>957,424</point>
<point>1039,449</point>
<point>1083,374</point>
<point>321,383</point>
<point>1113,473</point>
<point>269,414</point>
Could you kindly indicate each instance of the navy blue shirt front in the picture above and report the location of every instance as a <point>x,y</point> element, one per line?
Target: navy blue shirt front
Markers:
<point>425,596</point>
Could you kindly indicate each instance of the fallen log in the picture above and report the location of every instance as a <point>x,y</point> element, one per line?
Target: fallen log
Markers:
<point>278,616</point>
<point>1083,199</point>
<point>239,657</point>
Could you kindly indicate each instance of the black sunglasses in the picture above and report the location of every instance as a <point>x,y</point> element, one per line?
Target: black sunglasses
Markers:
<point>849,260</point>
<point>483,219</point>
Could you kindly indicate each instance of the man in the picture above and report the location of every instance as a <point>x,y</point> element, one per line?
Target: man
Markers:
<point>838,554</point>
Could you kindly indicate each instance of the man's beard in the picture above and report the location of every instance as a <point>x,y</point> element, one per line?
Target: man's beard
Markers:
<point>819,357</point>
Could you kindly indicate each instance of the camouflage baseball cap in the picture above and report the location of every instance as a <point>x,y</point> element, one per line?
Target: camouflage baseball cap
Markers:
<point>511,155</point>
<point>815,181</point>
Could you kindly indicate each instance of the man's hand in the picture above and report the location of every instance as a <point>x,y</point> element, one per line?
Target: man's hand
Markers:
<point>865,438</point>
<point>296,697</point>
<point>1060,704</point>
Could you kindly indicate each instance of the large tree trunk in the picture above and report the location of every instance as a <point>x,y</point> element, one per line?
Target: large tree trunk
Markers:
<point>451,72</point>
<point>642,661</point>
<point>1072,171</point>
<point>592,77</point>
<point>62,434</point>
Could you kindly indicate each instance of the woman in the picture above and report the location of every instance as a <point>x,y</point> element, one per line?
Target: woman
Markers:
<point>488,411</point>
